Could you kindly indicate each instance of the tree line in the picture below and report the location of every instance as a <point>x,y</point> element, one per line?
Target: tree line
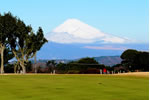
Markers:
<point>132,60</point>
<point>82,66</point>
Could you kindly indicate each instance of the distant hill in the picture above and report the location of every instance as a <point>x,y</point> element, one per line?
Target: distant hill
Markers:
<point>108,60</point>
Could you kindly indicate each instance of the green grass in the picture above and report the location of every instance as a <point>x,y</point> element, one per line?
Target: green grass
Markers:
<point>73,87</point>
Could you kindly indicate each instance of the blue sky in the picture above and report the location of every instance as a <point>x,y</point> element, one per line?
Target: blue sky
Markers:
<point>124,18</point>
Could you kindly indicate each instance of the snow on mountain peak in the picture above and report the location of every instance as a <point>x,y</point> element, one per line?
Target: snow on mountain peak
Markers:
<point>75,31</point>
<point>78,29</point>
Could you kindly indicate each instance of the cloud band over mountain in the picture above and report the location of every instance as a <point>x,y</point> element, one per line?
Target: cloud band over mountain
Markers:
<point>105,48</point>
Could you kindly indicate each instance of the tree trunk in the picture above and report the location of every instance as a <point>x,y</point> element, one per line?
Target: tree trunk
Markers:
<point>15,67</point>
<point>35,63</point>
<point>2,59</point>
<point>23,67</point>
<point>21,61</point>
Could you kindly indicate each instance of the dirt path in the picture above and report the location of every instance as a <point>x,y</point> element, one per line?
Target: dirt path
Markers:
<point>142,74</point>
<point>139,74</point>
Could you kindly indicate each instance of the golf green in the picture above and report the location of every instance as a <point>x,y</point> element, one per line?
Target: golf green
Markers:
<point>73,87</point>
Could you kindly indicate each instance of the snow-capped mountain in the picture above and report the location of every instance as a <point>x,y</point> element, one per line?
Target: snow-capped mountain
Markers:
<point>75,31</point>
<point>74,39</point>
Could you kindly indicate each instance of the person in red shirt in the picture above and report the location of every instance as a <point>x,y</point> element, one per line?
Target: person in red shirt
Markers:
<point>104,70</point>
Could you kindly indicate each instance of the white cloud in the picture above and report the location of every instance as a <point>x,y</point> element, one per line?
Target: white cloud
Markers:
<point>105,48</point>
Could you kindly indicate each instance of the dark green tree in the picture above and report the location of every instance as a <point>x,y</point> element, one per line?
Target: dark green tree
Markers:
<point>51,64</point>
<point>129,57</point>
<point>25,43</point>
<point>21,42</point>
<point>142,61</point>
<point>84,65</point>
<point>61,68</point>
<point>135,60</point>
<point>7,28</point>
<point>39,41</point>
<point>87,61</point>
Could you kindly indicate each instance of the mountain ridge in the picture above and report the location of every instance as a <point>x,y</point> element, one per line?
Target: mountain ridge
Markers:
<point>108,60</point>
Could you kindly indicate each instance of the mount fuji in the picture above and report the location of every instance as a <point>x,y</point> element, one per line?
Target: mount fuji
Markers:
<point>74,39</point>
<point>75,31</point>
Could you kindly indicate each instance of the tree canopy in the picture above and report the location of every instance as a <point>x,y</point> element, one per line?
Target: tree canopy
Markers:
<point>87,60</point>
<point>20,39</point>
<point>7,28</point>
<point>135,60</point>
